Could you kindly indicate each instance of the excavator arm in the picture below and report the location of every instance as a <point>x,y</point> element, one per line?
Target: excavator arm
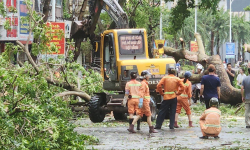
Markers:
<point>116,13</point>
<point>86,27</point>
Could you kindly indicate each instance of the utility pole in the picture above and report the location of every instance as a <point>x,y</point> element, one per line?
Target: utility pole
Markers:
<point>195,22</point>
<point>53,11</point>
<point>230,30</point>
<point>161,21</point>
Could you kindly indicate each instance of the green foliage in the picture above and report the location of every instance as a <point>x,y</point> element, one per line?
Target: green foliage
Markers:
<point>182,10</point>
<point>66,14</point>
<point>32,117</point>
<point>105,19</point>
<point>87,47</point>
<point>247,8</point>
<point>187,67</point>
<point>2,9</point>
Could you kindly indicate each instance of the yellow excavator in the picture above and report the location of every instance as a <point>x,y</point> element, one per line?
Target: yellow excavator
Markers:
<point>121,51</point>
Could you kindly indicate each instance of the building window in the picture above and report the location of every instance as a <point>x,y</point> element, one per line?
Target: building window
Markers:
<point>58,2</point>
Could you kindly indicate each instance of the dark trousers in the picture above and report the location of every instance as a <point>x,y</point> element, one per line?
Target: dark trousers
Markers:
<point>207,103</point>
<point>167,106</point>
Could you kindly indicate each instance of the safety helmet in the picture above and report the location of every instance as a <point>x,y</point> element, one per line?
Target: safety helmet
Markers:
<point>171,70</point>
<point>214,102</point>
<point>133,75</point>
<point>188,74</point>
<point>145,73</point>
<point>199,67</point>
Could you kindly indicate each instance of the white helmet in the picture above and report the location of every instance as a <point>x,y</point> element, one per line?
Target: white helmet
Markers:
<point>199,66</point>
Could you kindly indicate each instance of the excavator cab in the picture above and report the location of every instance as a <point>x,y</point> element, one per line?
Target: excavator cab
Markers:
<point>118,45</point>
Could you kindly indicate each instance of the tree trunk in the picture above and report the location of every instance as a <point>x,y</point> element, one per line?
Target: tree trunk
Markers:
<point>218,45</point>
<point>212,43</point>
<point>229,94</point>
<point>46,10</point>
<point>243,51</point>
<point>239,49</point>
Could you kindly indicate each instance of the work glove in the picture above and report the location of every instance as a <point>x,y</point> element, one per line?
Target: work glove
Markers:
<point>152,101</point>
<point>140,102</point>
<point>124,102</point>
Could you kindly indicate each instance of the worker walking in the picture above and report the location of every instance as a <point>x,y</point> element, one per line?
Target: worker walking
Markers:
<point>184,100</point>
<point>210,120</point>
<point>144,103</point>
<point>132,96</point>
<point>171,84</point>
<point>210,85</point>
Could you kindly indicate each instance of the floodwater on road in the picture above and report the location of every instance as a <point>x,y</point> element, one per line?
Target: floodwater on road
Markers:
<point>114,135</point>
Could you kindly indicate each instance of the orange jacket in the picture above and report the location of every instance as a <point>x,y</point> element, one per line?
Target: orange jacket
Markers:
<point>211,117</point>
<point>144,90</point>
<point>187,93</point>
<point>171,85</point>
<point>133,88</point>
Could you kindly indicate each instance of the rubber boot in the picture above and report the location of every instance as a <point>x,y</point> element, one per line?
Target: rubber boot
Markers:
<point>138,124</point>
<point>152,130</point>
<point>131,129</point>
<point>176,125</point>
<point>190,124</point>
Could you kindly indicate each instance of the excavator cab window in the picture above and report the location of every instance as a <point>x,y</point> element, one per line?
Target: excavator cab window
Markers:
<point>109,57</point>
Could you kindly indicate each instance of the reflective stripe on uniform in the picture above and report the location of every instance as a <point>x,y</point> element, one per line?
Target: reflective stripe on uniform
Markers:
<point>171,77</point>
<point>212,111</point>
<point>135,96</point>
<point>184,95</point>
<point>146,96</point>
<point>212,125</point>
<point>169,92</point>
<point>134,85</point>
<point>186,84</point>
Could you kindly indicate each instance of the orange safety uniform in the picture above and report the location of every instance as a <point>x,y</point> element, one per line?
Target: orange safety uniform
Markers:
<point>182,100</point>
<point>210,122</point>
<point>145,94</point>
<point>133,87</point>
<point>171,88</point>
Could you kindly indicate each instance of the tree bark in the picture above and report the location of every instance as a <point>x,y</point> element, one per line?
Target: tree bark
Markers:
<point>212,43</point>
<point>243,51</point>
<point>80,94</point>
<point>229,94</point>
<point>218,45</point>
<point>46,10</point>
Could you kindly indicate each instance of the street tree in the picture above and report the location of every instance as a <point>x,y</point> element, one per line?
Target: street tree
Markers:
<point>240,33</point>
<point>35,95</point>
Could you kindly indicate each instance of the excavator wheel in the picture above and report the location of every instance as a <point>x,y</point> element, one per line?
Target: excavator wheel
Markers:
<point>95,113</point>
<point>153,110</point>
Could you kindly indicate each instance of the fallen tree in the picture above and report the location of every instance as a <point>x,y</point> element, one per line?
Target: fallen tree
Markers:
<point>229,94</point>
<point>35,95</point>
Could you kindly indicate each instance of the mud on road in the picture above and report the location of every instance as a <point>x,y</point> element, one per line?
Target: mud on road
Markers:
<point>114,135</point>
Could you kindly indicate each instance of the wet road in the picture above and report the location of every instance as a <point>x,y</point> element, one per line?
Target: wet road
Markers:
<point>114,135</point>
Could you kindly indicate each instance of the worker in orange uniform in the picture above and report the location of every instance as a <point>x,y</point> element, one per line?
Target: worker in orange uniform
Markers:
<point>144,103</point>
<point>171,85</point>
<point>131,97</point>
<point>210,120</point>
<point>184,100</point>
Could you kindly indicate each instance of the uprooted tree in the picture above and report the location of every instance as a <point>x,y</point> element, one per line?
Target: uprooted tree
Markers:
<point>229,94</point>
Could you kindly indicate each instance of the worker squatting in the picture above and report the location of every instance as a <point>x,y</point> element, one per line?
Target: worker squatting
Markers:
<point>178,95</point>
